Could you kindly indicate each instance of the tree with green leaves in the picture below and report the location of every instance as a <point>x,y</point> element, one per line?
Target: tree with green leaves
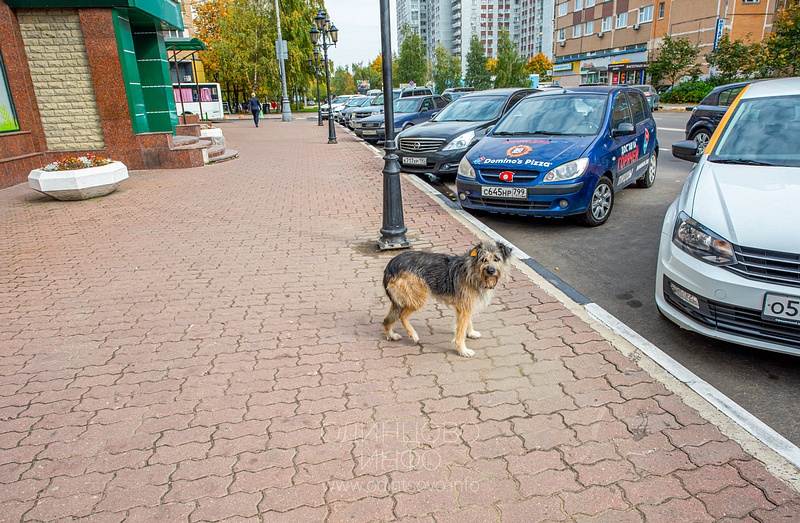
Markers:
<point>676,57</point>
<point>782,56</point>
<point>477,74</point>
<point>368,73</point>
<point>446,72</point>
<point>510,69</point>
<point>342,82</point>
<point>540,64</point>
<point>735,59</point>
<point>411,62</point>
<point>240,36</point>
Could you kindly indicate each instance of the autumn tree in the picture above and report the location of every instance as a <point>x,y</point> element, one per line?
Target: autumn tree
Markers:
<point>540,64</point>
<point>411,61</point>
<point>446,71</point>
<point>342,82</point>
<point>782,44</point>
<point>368,73</point>
<point>477,75</point>
<point>676,57</point>
<point>510,69</point>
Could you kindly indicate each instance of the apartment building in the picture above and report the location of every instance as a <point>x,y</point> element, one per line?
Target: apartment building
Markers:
<point>413,13</point>
<point>602,42</point>
<point>536,28</point>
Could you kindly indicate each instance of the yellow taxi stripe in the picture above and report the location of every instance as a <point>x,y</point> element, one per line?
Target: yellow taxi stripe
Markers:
<point>714,137</point>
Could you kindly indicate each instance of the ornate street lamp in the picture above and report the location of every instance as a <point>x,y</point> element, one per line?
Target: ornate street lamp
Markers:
<point>393,232</point>
<point>330,35</point>
<point>286,108</point>
<point>314,64</point>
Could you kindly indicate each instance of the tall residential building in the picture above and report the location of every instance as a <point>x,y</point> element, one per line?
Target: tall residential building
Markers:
<point>536,33</point>
<point>413,13</point>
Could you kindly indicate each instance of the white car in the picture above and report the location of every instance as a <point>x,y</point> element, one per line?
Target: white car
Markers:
<point>336,104</point>
<point>729,255</point>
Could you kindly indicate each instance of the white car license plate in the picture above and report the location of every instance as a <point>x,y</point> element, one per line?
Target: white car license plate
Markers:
<point>781,309</point>
<point>504,192</point>
<point>370,132</point>
<point>411,160</point>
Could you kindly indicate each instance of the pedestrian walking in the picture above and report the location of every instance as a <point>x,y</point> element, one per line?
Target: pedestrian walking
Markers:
<point>255,107</point>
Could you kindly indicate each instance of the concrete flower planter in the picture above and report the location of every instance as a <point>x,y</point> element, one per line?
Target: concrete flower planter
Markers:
<point>79,184</point>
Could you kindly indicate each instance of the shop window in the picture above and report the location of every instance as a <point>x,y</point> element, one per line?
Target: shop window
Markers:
<point>8,115</point>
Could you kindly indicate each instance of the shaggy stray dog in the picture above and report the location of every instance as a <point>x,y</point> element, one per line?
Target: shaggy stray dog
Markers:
<point>464,282</point>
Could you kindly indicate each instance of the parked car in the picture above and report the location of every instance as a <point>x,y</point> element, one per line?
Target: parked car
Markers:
<point>651,95</point>
<point>347,112</point>
<point>374,107</point>
<point>354,101</point>
<point>407,112</point>
<point>729,258</point>
<point>706,116</point>
<point>335,104</point>
<point>437,146</point>
<point>453,93</point>
<point>415,91</point>
<point>562,152</point>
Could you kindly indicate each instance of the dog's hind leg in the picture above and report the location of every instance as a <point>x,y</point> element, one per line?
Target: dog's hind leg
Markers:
<point>463,322</point>
<point>391,318</point>
<point>471,332</point>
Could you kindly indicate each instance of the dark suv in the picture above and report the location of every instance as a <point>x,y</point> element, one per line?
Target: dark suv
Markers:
<point>706,116</point>
<point>436,147</point>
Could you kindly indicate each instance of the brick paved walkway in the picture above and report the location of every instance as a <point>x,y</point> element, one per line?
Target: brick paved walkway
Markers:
<point>205,345</point>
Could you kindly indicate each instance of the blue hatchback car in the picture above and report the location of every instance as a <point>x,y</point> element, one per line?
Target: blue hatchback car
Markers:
<point>562,152</point>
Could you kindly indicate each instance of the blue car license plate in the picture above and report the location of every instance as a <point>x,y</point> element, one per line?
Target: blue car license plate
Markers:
<point>504,192</point>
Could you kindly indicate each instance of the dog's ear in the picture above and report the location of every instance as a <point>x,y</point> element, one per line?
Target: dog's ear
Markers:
<point>476,250</point>
<point>505,250</point>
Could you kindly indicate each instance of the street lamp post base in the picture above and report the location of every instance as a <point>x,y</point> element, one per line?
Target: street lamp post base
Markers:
<point>393,242</point>
<point>332,140</point>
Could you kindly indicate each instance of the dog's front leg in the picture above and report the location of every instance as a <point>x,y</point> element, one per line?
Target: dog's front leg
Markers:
<point>463,321</point>
<point>471,332</point>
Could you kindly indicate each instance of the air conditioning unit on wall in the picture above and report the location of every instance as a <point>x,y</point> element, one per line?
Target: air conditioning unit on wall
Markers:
<point>635,27</point>
<point>600,34</point>
<point>562,43</point>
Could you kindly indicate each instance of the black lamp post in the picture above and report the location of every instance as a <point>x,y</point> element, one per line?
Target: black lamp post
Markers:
<point>314,64</point>
<point>330,35</point>
<point>393,232</point>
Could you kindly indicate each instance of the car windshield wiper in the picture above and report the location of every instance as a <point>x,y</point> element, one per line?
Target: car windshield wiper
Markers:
<point>741,161</point>
<point>515,133</point>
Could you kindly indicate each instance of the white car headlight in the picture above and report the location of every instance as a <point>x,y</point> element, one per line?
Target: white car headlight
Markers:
<point>702,243</point>
<point>460,142</point>
<point>465,169</point>
<point>567,171</point>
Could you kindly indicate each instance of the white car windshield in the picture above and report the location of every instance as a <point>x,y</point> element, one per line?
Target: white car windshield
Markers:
<point>475,109</point>
<point>761,131</point>
<point>340,99</point>
<point>572,115</point>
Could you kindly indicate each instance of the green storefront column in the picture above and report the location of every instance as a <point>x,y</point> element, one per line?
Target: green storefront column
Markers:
<point>156,84</point>
<point>130,72</point>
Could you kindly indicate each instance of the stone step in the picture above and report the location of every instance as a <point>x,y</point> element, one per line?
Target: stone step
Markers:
<point>216,150</point>
<point>229,154</point>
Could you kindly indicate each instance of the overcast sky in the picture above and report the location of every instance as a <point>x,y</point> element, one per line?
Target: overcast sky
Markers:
<point>359,24</point>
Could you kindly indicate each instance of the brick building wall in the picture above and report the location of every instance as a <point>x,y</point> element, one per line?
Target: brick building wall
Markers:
<point>61,78</point>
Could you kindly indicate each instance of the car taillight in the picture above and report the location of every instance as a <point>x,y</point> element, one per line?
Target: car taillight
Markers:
<point>648,95</point>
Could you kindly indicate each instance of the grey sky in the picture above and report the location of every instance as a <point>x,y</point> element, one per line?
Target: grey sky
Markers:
<point>359,24</point>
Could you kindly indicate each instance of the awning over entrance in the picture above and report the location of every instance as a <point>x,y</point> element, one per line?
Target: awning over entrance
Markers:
<point>184,44</point>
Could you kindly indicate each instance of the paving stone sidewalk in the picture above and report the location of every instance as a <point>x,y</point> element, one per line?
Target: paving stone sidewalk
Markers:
<point>204,345</point>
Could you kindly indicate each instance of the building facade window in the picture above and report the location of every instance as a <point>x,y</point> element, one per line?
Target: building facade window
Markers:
<point>607,21</point>
<point>8,114</point>
<point>622,20</point>
<point>588,28</point>
<point>576,31</point>
<point>578,5</point>
<point>562,34</point>
<point>661,10</point>
<point>645,14</point>
<point>590,3</point>
<point>562,8</point>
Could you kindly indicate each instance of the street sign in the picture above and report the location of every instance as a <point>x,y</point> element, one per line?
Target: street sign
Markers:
<point>719,30</point>
<point>284,48</point>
